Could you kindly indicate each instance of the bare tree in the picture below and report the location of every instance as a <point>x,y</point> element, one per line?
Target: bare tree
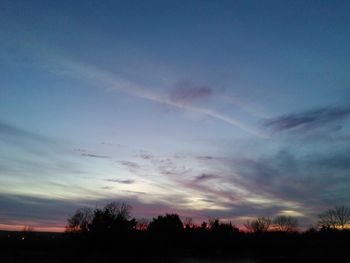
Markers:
<point>327,220</point>
<point>285,223</point>
<point>339,217</point>
<point>28,229</point>
<point>117,209</point>
<point>80,221</point>
<point>27,232</point>
<point>342,214</point>
<point>113,218</point>
<point>188,222</point>
<point>261,224</point>
<point>213,222</point>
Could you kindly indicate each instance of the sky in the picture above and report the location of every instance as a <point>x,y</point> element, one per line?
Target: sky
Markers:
<point>228,109</point>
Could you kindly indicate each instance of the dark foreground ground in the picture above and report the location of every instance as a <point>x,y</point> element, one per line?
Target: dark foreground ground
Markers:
<point>187,248</point>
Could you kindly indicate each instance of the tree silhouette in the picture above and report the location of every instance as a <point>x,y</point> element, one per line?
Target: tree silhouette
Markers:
<point>112,233</point>
<point>214,223</point>
<point>221,229</point>
<point>142,224</point>
<point>114,217</point>
<point>285,223</point>
<point>28,232</point>
<point>339,217</point>
<point>204,225</point>
<point>259,225</point>
<point>170,223</point>
<point>188,222</point>
<point>80,221</point>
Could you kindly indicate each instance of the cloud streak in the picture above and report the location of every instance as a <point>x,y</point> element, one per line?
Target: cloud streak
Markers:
<point>94,155</point>
<point>146,156</point>
<point>11,131</point>
<point>185,92</point>
<point>206,177</point>
<point>129,164</point>
<point>116,83</point>
<point>308,120</point>
<point>120,181</point>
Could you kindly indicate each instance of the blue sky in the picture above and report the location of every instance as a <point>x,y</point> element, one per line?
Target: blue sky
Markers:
<point>232,109</point>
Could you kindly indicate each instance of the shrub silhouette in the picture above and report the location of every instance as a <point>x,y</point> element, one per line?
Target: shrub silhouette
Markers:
<point>169,224</point>
<point>222,231</point>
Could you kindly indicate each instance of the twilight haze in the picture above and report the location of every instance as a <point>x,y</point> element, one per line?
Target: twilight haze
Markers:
<point>229,109</point>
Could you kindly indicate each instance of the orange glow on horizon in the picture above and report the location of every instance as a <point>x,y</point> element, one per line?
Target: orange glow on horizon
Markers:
<point>8,227</point>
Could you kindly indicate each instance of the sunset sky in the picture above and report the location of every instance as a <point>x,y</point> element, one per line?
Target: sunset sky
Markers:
<point>229,109</point>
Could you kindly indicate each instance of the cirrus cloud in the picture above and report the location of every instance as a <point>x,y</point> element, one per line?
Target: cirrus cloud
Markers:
<point>308,120</point>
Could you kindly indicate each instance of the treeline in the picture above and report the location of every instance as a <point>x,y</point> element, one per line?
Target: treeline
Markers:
<point>116,217</point>
<point>111,234</point>
<point>112,228</point>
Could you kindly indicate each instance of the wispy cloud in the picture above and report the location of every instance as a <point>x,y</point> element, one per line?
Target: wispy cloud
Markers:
<point>85,153</point>
<point>106,187</point>
<point>121,181</point>
<point>170,168</point>
<point>34,151</point>
<point>112,144</point>
<point>209,158</point>
<point>11,131</point>
<point>116,83</point>
<point>130,164</point>
<point>308,120</point>
<point>206,177</point>
<point>146,156</point>
<point>303,183</point>
<point>185,92</point>
<point>42,211</point>
<point>94,155</point>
